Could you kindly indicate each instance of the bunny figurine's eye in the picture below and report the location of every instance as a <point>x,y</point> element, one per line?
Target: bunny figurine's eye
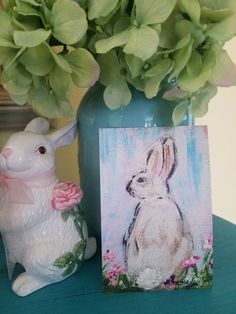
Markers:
<point>42,150</point>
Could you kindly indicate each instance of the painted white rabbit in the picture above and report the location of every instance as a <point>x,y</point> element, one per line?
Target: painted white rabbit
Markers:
<point>34,233</point>
<point>155,244</point>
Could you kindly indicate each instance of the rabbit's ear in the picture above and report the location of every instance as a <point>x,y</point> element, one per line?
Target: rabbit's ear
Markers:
<point>169,156</point>
<point>155,159</point>
<point>37,125</point>
<point>64,136</point>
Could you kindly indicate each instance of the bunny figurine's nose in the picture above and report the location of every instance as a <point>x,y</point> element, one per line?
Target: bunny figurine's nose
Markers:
<point>6,152</point>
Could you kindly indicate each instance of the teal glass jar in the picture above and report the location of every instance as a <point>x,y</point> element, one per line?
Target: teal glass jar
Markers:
<point>94,114</point>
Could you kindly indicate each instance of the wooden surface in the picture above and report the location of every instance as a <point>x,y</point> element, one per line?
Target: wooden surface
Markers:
<point>82,294</point>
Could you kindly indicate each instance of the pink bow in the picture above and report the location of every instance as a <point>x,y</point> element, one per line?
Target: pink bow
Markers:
<point>18,191</point>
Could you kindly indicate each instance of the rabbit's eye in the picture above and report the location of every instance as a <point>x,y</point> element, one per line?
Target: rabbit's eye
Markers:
<point>141,180</point>
<point>42,150</point>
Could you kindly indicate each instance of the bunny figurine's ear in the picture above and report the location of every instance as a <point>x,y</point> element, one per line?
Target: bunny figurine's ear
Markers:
<point>155,159</point>
<point>37,125</point>
<point>169,158</point>
<point>64,136</point>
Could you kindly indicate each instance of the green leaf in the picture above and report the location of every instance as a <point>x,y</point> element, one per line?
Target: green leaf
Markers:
<point>224,71</point>
<point>65,215</point>
<point>193,83</point>
<point>184,28</point>
<point>83,3</point>
<point>183,42</point>
<point>49,3</point>
<point>107,21</point>
<point>105,45</point>
<point>181,59</point>
<point>175,94</point>
<point>180,112</point>
<point>66,108</point>
<point>193,9</point>
<point>61,83</point>
<point>160,69</point>
<point>194,65</point>
<point>69,270</point>
<point>25,9</point>
<point>65,260</point>
<point>199,104</point>
<point>168,36</point>
<point>79,248</point>
<point>29,23</point>
<point>8,4</point>
<point>153,11</point>
<point>6,43</point>
<point>123,6</point>
<point>38,60</point>
<point>107,62</point>
<point>101,8</point>
<point>78,228</point>
<point>60,61</point>
<point>223,30</point>
<point>121,24</point>
<point>135,65</point>
<point>218,4</point>
<point>14,58</point>
<point>85,70</point>
<point>139,40</point>
<point>117,94</point>
<point>138,83</point>
<point>215,15</point>
<point>210,56</point>
<point>16,80</point>
<point>69,22</point>
<point>31,38</point>
<point>6,53</point>
<point>94,38</point>
<point>6,39</point>
<point>33,2</point>
<point>156,75</point>
<point>19,99</point>
<point>152,87</point>
<point>45,102</point>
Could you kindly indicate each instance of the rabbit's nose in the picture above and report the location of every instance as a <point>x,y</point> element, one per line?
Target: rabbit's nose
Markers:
<point>6,152</point>
<point>128,188</point>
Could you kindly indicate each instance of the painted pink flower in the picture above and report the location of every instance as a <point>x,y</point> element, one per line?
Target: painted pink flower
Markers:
<point>208,245</point>
<point>113,274</point>
<point>118,269</point>
<point>109,257</point>
<point>66,195</point>
<point>190,262</point>
<point>171,285</point>
<point>113,282</point>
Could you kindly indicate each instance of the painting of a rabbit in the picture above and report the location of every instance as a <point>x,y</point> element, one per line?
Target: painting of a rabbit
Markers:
<point>155,244</point>
<point>155,220</point>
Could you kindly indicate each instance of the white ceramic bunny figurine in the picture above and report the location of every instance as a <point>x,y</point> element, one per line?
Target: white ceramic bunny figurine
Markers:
<point>48,243</point>
<point>155,243</point>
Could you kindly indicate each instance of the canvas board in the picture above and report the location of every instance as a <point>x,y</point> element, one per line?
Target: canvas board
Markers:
<point>155,208</point>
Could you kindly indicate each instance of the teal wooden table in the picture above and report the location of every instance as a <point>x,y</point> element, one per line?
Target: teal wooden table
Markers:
<point>82,294</point>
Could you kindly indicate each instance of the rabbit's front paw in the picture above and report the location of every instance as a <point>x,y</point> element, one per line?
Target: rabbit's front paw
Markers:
<point>25,285</point>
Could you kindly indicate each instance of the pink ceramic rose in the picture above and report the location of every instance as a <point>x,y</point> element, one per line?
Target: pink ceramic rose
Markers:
<point>66,195</point>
